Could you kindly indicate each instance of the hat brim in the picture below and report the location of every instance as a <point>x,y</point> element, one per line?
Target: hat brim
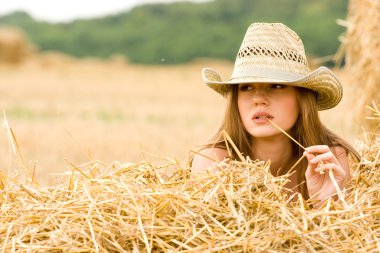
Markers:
<point>322,81</point>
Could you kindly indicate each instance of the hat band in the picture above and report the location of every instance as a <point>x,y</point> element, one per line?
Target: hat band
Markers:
<point>266,73</point>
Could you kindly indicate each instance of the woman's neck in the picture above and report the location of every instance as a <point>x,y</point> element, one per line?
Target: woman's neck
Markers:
<point>277,150</point>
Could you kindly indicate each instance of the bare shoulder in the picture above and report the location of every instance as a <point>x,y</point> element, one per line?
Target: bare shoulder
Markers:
<point>342,157</point>
<point>339,151</point>
<point>341,154</point>
<point>207,157</point>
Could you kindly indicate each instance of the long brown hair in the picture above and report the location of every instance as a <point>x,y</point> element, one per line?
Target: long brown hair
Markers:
<point>308,130</point>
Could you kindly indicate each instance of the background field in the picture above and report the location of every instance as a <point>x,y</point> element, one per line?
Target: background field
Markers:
<point>63,109</point>
<point>96,113</point>
<point>67,110</point>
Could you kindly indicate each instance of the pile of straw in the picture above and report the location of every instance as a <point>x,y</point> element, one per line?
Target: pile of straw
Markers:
<point>362,53</point>
<point>145,208</point>
<point>14,47</point>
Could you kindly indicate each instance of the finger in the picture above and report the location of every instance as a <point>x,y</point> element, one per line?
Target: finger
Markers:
<point>325,157</point>
<point>337,170</point>
<point>310,170</point>
<point>309,156</point>
<point>318,149</point>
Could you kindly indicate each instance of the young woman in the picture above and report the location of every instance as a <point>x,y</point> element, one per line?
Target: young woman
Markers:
<point>271,82</point>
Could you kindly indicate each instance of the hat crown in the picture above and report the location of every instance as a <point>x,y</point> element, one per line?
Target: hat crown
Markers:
<point>271,46</point>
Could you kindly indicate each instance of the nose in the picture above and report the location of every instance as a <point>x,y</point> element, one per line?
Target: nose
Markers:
<point>260,97</point>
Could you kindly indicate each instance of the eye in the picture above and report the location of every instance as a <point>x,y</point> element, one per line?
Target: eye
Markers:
<point>245,87</point>
<point>277,86</point>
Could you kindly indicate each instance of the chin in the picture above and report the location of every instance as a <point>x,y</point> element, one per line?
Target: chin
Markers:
<point>262,134</point>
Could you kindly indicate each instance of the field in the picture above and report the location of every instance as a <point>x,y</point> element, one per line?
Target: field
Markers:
<point>64,110</point>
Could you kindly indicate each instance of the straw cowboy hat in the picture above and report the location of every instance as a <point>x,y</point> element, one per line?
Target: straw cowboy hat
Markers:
<point>273,53</point>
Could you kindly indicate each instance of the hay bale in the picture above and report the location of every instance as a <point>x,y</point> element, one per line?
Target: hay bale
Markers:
<point>54,59</point>
<point>362,54</point>
<point>14,47</point>
<point>142,207</point>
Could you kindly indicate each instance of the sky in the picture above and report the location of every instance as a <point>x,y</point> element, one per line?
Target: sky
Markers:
<point>68,10</point>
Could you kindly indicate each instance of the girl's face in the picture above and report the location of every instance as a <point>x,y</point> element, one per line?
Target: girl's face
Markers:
<point>257,102</point>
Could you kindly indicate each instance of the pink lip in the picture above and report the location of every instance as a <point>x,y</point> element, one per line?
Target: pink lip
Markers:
<point>261,117</point>
<point>261,114</point>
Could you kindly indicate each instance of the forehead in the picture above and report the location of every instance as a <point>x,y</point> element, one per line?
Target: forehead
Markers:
<point>289,88</point>
<point>267,84</point>
<point>262,84</point>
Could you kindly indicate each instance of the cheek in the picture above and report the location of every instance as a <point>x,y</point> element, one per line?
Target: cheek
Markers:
<point>243,106</point>
<point>293,109</point>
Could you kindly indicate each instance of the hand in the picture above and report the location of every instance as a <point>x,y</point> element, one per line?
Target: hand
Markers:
<point>321,161</point>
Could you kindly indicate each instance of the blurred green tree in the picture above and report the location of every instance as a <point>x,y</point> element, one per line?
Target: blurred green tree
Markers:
<point>179,32</point>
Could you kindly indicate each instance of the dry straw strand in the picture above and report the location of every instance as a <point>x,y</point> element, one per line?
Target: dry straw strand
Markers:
<point>284,132</point>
